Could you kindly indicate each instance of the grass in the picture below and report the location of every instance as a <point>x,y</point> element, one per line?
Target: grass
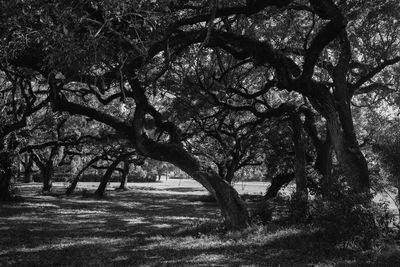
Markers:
<point>151,225</point>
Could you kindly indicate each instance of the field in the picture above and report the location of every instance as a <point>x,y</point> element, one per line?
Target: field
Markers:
<point>152,224</point>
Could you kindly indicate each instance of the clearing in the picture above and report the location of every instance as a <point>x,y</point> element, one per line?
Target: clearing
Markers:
<point>153,224</point>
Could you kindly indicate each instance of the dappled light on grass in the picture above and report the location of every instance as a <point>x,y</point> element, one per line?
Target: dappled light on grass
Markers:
<point>66,243</point>
<point>138,227</point>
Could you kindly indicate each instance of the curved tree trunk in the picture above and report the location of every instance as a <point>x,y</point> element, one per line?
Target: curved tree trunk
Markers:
<point>277,183</point>
<point>233,208</point>
<point>106,177</point>
<point>74,183</point>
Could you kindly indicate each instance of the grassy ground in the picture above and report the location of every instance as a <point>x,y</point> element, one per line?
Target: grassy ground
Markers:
<point>161,224</point>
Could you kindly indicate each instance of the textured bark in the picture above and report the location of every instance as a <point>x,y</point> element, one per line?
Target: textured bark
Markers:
<point>233,209</point>
<point>106,177</point>
<point>47,173</point>
<point>46,166</point>
<point>5,175</point>
<point>124,175</point>
<point>341,130</point>
<point>75,181</point>
<point>300,155</point>
<point>398,193</point>
<point>28,164</point>
<point>323,162</point>
<point>277,183</point>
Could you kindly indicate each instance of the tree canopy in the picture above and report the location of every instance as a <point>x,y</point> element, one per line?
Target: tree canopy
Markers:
<point>208,86</point>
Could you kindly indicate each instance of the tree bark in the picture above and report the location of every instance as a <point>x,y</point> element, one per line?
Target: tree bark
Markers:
<point>46,167</point>
<point>300,155</point>
<point>277,183</point>
<point>106,177</point>
<point>28,164</point>
<point>398,193</point>
<point>341,127</point>
<point>233,209</point>
<point>323,162</point>
<point>124,175</point>
<point>47,173</point>
<point>5,175</point>
<point>348,153</point>
<point>74,183</point>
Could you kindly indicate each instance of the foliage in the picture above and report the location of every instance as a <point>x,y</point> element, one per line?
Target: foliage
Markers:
<point>388,147</point>
<point>351,219</point>
<point>262,213</point>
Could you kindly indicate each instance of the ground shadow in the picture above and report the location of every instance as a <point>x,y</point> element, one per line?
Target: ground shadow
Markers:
<point>139,227</point>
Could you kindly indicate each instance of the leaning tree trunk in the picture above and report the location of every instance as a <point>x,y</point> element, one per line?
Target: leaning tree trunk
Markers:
<point>232,206</point>
<point>124,175</point>
<point>233,209</point>
<point>106,177</point>
<point>74,182</point>
<point>277,183</point>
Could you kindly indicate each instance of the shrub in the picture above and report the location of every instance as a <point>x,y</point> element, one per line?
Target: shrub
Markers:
<point>351,219</point>
<point>298,208</point>
<point>262,213</point>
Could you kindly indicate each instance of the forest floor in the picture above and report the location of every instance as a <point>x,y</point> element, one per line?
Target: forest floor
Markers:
<point>152,224</point>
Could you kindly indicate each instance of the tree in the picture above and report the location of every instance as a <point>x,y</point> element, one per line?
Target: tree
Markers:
<point>104,56</point>
<point>18,102</point>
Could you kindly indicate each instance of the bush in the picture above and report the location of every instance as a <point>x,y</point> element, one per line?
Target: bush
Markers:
<point>298,208</point>
<point>351,219</point>
<point>140,175</point>
<point>262,213</point>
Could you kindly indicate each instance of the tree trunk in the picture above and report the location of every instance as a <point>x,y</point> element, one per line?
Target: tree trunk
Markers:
<point>28,164</point>
<point>48,169</point>
<point>5,175</point>
<point>398,193</point>
<point>277,183</point>
<point>106,177</point>
<point>124,175</point>
<point>47,173</point>
<point>74,183</point>
<point>342,135</point>
<point>348,153</point>
<point>233,209</point>
<point>72,186</point>
<point>300,155</point>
